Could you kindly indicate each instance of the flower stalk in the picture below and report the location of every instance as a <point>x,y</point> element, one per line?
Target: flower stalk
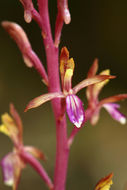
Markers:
<point>54,86</point>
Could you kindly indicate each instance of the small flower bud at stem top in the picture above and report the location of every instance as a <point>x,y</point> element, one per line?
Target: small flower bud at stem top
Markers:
<point>67,16</point>
<point>27,16</point>
<point>28,7</point>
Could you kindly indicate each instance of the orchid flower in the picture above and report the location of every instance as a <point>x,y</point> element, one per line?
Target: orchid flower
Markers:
<point>74,105</point>
<point>15,161</point>
<point>94,105</point>
<point>105,183</point>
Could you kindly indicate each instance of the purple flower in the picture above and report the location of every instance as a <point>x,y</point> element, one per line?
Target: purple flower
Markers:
<point>94,105</point>
<point>112,108</point>
<point>74,105</point>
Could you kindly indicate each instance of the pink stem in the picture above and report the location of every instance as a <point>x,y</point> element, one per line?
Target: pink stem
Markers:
<point>62,150</point>
<point>38,167</point>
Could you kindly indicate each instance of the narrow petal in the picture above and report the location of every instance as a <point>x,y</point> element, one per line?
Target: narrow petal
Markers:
<point>75,110</point>
<point>42,99</point>
<point>93,69</point>
<point>112,108</point>
<point>91,73</point>
<point>64,55</point>
<point>98,87</point>
<point>68,77</point>
<point>112,99</point>
<point>17,120</point>
<point>66,67</point>
<point>105,183</point>
<point>9,127</point>
<point>35,152</point>
<point>90,81</point>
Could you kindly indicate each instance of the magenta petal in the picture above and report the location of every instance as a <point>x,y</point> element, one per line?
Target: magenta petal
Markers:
<point>112,108</point>
<point>75,110</point>
<point>8,169</point>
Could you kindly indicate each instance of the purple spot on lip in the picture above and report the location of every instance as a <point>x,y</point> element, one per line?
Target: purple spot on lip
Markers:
<point>75,110</point>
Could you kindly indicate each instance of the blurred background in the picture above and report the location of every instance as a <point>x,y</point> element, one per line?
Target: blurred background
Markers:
<point>98,29</point>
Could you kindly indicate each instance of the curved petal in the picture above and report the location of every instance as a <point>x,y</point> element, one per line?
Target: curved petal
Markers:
<point>35,152</point>
<point>105,183</point>
<point>90,81</point>
<point>66,69</point>
<point>68,78</point>
<point>112,99</point>
<point>42,99</point>
<point>112,108</point>
<point>9,127</point>
<point>64,57</point>
<point>75,110</point>
<point>17,120</point>
<point>91,73</point>
<point>93,69</point>
<point>98,87</point>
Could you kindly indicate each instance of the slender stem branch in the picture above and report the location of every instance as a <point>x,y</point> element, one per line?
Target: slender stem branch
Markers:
<point>38,66</point>
<point>36,17</point>
<point>58,29</point>
<point>38,167</point>
<point>62,150</point>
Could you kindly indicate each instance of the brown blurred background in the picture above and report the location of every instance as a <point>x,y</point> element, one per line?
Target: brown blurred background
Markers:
<point>98,29</point>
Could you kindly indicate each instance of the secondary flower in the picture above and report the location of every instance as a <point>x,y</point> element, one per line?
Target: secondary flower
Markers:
<point>105,183</point>
<point>74,105</point>
<point>15,161</point>
<point>94,105</point>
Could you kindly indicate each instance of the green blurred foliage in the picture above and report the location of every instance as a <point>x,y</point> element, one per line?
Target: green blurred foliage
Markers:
<point>98,29</point>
